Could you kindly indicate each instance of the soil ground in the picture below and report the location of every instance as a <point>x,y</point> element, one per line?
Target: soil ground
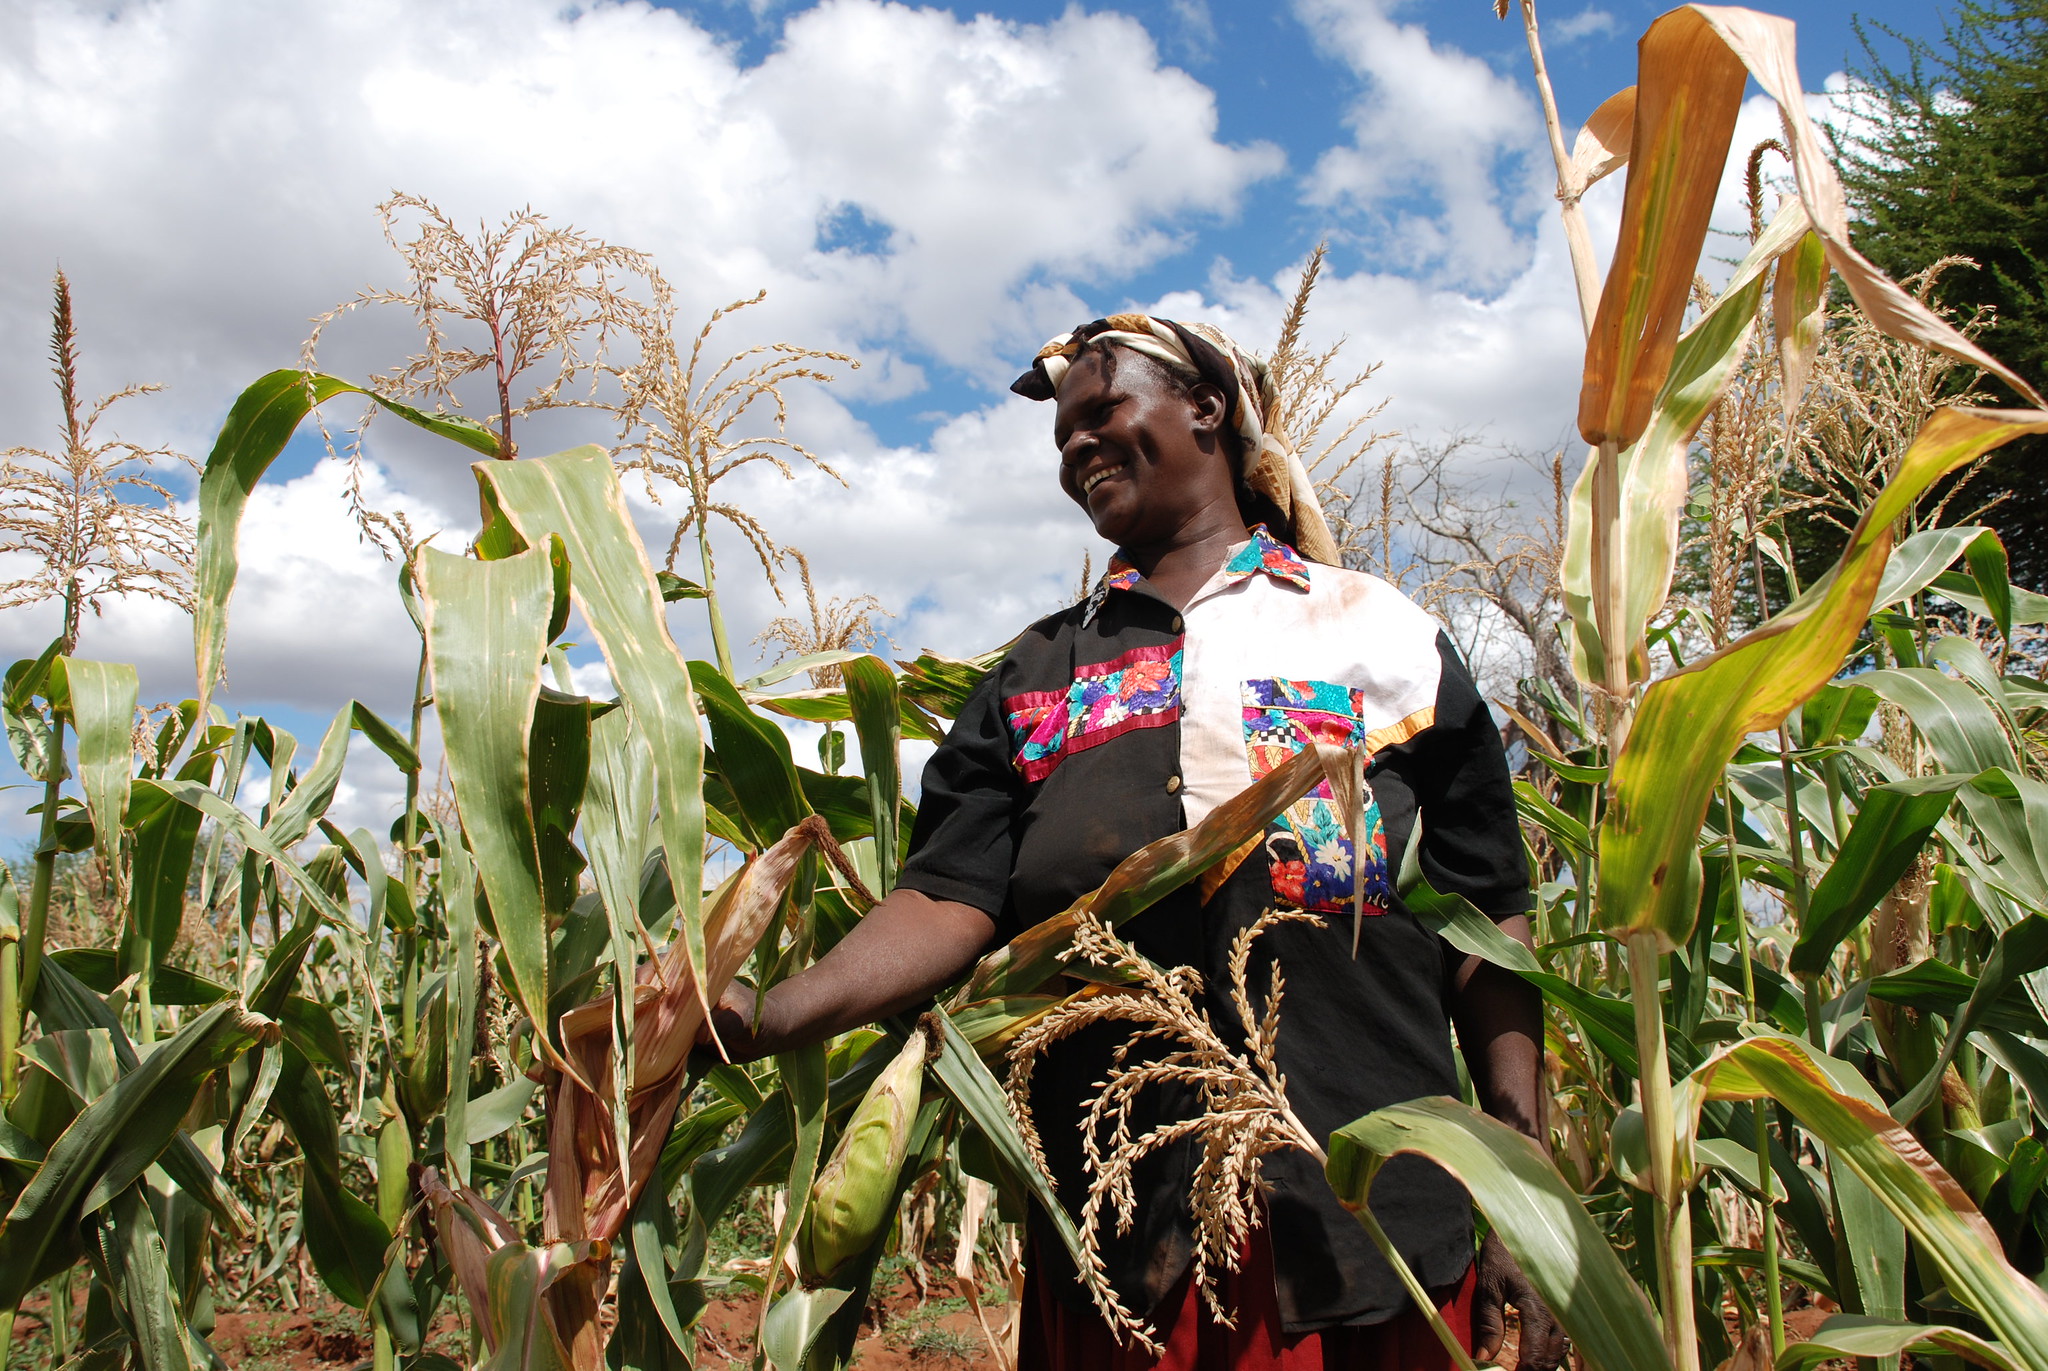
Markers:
<point>903,1333</point>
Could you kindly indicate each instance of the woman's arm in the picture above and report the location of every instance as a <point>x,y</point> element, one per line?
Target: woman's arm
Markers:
<point>1499,1017</point>
<point>1500,1027</point>
<point>907,948</point>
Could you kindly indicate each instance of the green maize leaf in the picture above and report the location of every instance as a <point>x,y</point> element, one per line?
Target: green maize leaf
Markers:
<point>2010,811</point>
<point>644,1278</point>
<point>498,1111</point>
<point>871,691</point>
<point>1749,1259</point>
<point>2021,949</point>
<point>807,1096</point>
<point>517,1278</point>
<point>1642,542</point>
<point>829,706</point>
<point>1691,722</point>
<point>1798,317</point>
<point>99,969</point>
<point>1892,825</point>
<point>842,802</point>
<point>262,421</point>
<point>1920,558</point>
<point>1834,713</point>
<point>942,684</point>
<point>160,864</point>
<point>783,670</point>
<point>458,998</point>
<point>720,1176</point>
<point>959,1070</point>
<point>1855,1335</point>
<point>2028,1065</point>
<point>674,587</point>
<point>2027,607</point>
<point>310,1027</point>
<point>1960,727</point>
<point>1560,1249</point>
<point>1828,1098</point>
<point>113,1140</point>
<point>1777,999</point>
<point>99,699</point>
<point>486,643</point>
<point>28,727</point>
<point>346,1239</point>
<point>1935,987</point>
<point>558,771</point>
<point>1607,1022</point>
<point>226,814</point>
<point>308,800</point>
<point>129,1256</point>
<point>1871,1256</point>
<point>795,1323</point>
<point>1986,559</point>
<point>1968,661</point>
<point>1535,808</point>
<point>65,1004</point>
<point>575,495</point>
<point>753,757</point>
<point>615,826</point>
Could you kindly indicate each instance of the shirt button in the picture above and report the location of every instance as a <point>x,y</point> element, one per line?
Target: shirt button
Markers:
<point>1173,785</point>
<point>1179,624</point>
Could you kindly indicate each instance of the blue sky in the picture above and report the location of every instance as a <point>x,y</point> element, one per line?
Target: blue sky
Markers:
<point>929,190</point>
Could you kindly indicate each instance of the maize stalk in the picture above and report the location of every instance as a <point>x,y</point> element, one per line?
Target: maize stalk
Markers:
<point>854,1196</point>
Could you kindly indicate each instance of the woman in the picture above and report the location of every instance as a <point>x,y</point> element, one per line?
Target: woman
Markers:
<point>1222,638</point>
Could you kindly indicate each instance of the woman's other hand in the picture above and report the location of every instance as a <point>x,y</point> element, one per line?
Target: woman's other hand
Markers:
<point>1502,1282</point>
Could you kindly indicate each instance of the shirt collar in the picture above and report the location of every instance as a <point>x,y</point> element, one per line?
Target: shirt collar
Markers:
<point>1268,554</point>
<point>1263,552</point>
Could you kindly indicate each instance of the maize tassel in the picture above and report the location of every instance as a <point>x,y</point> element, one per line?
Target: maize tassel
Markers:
<point>850,1200</point>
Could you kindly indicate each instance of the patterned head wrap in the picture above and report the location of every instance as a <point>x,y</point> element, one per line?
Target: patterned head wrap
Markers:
<point>1204,353</point>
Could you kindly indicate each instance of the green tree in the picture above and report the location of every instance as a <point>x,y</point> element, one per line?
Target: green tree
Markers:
<point>1951,160</point>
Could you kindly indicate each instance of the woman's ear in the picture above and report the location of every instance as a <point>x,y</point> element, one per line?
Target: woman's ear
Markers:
<point>1209,406</point>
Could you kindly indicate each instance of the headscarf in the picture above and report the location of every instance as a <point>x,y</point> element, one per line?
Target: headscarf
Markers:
<point>1204,353</point>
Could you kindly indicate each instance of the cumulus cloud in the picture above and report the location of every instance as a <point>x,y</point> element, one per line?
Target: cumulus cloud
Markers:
<point>1446,173</point>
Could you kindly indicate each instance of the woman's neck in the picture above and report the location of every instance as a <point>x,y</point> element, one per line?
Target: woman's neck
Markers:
<point>1179,568</point>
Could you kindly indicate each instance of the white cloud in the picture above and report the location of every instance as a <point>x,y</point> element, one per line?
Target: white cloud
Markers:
<point>1446,170</point>
<point>1590,22</point>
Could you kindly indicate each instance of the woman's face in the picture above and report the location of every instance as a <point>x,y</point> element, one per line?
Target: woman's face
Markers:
<point>1144,458</point>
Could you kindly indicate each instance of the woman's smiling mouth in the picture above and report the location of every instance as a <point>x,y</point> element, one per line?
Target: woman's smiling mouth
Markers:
<point>1096,478</point>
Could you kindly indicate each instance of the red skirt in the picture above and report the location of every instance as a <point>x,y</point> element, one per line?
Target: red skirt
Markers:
<point>1056,1337</point>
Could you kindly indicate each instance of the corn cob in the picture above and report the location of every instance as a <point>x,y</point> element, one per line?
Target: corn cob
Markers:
<point>850,1201</point>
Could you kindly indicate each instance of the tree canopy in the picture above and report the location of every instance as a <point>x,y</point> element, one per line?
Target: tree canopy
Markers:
<point>1951,161</point>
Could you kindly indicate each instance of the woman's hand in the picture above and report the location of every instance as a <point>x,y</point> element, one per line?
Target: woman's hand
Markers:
<point>1500,1283</point>
<point>733,1021</point>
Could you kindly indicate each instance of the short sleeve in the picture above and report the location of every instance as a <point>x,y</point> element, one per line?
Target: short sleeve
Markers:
<point>963,844</point>
<point>1471,841</point>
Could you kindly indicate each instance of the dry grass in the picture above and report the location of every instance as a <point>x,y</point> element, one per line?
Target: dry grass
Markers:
<point>96,522</point>
<point>537,310</point>
<point>688,425</point>
<point>1244,1118</point>
<point>837,625</point>
<point>1310,390</point>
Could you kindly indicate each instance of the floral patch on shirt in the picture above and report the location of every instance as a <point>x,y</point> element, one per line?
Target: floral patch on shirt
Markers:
<point>1310,854</point>
<point>1268,554</point>
<point>1137,689</point>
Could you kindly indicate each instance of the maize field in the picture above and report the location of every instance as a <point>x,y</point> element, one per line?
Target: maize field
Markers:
<point>1792,892</point>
